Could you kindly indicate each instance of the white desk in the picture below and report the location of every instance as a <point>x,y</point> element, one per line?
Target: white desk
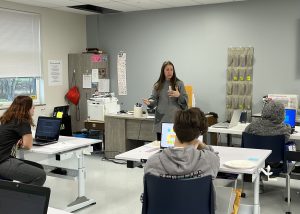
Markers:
<point>68,154</point>
<point>56,211</point>
<point>238,130</point>
<point>259,156</point>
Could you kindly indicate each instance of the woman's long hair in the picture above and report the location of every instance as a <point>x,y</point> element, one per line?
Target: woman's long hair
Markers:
<point>19,111</point>
<point>159,84</point>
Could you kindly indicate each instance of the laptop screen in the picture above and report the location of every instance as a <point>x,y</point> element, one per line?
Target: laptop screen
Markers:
<point>168,135</point>
<point>48,128</point>
<point>19,198</point>
<point>290,117</point>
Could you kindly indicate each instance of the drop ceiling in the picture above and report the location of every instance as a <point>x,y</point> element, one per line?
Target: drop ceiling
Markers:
<point>118,5</point>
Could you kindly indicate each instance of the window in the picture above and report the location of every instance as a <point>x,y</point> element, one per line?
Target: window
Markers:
<point>12,87</point>
<point>20,55</point>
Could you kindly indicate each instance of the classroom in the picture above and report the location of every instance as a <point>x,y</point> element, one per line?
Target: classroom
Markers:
<point>125,45</point>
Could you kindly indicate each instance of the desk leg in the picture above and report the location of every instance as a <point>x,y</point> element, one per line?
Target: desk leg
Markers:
<point>229,139</point>
<point>81,201</point>
<point>208,138</point>
<point>256,204</point>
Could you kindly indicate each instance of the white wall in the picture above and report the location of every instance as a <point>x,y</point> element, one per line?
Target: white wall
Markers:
<point>196,40</point>
<point>61,33</point>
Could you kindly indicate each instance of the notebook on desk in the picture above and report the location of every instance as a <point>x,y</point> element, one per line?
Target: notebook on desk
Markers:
<point>233,122</point>
<point>47,131</point>
<point>168,135</point>
<point>19,198</point>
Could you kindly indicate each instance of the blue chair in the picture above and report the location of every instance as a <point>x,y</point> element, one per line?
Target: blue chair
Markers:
<point>178,196</point>
<point>277,145</point>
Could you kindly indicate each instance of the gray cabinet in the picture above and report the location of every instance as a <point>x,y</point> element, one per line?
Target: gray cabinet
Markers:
<point>83,64</point>
<point>125,132</point>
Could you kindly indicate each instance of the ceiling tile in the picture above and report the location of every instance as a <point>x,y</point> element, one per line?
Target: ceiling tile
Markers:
<point>144,4</point>
<point>92,2</point>
<point>178,3</point>
<point>121,5</point>
<point>117,6</point>
<point>72,10</point>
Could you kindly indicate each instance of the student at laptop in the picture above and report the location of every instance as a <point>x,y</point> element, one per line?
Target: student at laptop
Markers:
<point>271,122</point>
<point>15,130</point>
<point>190,157</point>
<point>168,96</point>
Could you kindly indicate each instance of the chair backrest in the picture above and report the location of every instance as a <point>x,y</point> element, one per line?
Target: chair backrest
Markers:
<point>177,196</point>
<point>275,143</point>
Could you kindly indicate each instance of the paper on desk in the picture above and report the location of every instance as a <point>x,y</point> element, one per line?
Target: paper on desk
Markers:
<point>154,144</point>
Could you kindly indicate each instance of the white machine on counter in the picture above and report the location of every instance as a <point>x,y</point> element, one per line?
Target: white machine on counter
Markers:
<point>99,106</point>
<point>288,100</point>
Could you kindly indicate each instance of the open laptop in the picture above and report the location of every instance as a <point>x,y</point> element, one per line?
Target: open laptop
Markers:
<point>233,122</point>
<point>168,135</point>
<point>47,131</point>
<point>16,198</point>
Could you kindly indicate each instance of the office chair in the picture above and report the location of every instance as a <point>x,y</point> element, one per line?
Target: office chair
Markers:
<point>277,145</point>
<point>4,179</point>
<point>177,196</point>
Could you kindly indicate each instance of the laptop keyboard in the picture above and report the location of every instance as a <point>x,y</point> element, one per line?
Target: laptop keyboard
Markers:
<point>41,142</point>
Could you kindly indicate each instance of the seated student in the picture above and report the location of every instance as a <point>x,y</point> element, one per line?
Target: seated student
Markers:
<point>271,122</point>
<point>15,131</point>
<point>189,157</point>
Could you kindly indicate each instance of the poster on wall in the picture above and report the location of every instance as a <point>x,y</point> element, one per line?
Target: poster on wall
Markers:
<point>95,73</point>
<point>55,72</point>
<point>121,67</point>
<point>86,81</point>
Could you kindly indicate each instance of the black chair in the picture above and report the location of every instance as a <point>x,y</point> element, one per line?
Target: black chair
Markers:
<point>4,179</point>
<point>277,145</point>
<point>177,196</point>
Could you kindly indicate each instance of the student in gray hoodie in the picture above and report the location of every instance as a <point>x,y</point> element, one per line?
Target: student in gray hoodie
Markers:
<point>271,122</point>
<point>189,157</point>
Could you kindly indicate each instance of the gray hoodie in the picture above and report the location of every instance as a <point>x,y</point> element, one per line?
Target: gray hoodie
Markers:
<point>184,162</point>
<point>271,122</point>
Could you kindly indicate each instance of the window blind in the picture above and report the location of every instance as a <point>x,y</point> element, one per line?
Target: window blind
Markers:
<point>20,49</point>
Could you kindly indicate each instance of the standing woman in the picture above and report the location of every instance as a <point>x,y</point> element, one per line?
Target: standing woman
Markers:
<point>168,96</point>
<point>15,131</point>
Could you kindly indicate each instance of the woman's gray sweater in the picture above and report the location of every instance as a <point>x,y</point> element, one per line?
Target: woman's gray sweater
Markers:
<point>167,106</point>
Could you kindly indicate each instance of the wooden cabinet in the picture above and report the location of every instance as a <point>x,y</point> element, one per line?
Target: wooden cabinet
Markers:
<point>211,120</point>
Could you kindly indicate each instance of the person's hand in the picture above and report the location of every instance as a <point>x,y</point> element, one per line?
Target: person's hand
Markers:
<point>146,102</point>
<point>20,143</point>
<point>175,93</point>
